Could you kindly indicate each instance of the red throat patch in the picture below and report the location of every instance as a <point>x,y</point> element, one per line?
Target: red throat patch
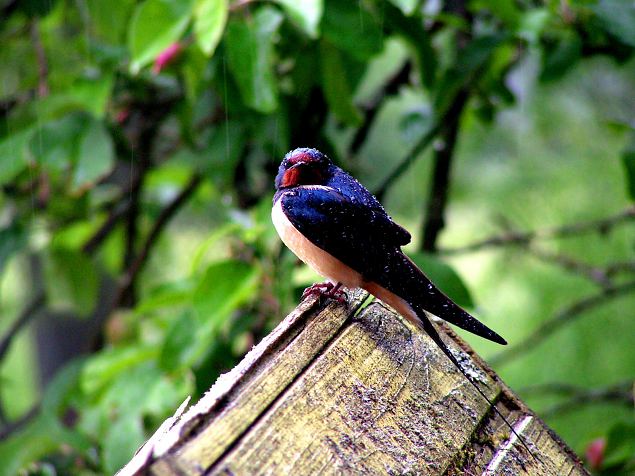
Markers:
<point>291,178</point>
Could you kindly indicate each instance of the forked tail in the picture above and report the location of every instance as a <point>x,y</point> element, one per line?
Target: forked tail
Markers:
<point>404,278</point>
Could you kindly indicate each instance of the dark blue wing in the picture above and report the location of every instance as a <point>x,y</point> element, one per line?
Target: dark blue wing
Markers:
<point>356,193</point>
<point>357,235</point>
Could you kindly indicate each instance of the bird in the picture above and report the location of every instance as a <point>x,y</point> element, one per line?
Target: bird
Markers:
<point>336,226</point>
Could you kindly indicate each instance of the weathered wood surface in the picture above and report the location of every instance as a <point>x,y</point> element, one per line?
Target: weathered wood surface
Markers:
<point>332,392</point>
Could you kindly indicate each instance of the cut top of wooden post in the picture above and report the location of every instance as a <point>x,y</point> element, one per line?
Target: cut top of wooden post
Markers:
<point>337,390</point>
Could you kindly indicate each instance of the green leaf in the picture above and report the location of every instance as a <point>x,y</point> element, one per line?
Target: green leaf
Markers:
<point>14,154</point>
<point>76,143</point>
<point>224,287</point>
<point>121,441</point>
<point>406,6</point>
<point>108,21</point>
<point>65,383</point>
<point>101,369</point>
<point>155,25</point>
<point>167,295</point>
<point>620,444</point>
<point>210,245</point>
<point>533,23</point>
<point>95,156</point>
<point>305,13</point>
<point>411,29</point>
<point>350,27</point>
<point>167,392</point>
<point>506,10</point>
<point>338,91</point>
<point>143,389</point>
<point>54,144</point>
<point>415,123</point>
<point>12,239</point>
<point>469,62</point>
<point>444,277</point>
<point>210,17</point>
<point>618,17</point>
<point>250,54</point>
<point>88,95</point>
<point>179,347</point>
<point>628,161</point>
<point>91,95</point>
<point>195,80</point>
<point>71,281</point>
<point>43,436</point>
<point>561,57</point>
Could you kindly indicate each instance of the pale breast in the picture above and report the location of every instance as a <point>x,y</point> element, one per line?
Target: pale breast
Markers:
<point>322,262</point>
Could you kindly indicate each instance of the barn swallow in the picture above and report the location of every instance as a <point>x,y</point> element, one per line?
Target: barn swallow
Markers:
<point>337,227</point>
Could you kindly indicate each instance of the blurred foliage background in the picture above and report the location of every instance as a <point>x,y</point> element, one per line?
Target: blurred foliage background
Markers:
<point>138,145</point>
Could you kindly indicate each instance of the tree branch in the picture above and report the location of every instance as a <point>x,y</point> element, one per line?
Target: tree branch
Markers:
<point>596,274</point>
<point>438,198</point>
<point>602,225</point>
<point>116,214</point>
<point>25,316</point>
<point>621,393</point>
<point>398,171</point>
<point>372,108</point>
<point>620,267</point>
<point>10,428</point>
<point>28,313</point>
<point>563,317</point>
<point>164,217</point>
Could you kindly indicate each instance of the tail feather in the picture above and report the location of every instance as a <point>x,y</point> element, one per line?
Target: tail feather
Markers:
<point>407,289</point>
<point>404,278</point>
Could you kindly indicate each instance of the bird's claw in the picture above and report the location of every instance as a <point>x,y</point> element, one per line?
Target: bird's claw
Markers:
<point>328,290</point>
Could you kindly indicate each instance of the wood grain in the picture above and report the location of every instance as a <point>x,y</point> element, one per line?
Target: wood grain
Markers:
<point>337,391</point>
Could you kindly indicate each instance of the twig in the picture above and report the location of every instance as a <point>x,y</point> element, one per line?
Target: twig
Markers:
<point>42,63</point>
<point>372,107</point>
<point>164,217</point>
<point>593,273</point>
<point>143,151</point>
<point>602,225</point>
<point>560,319</point>
<point>422,145</point>
<point>621,392</point>
<point>620,267</point>
<point>118,212</point>
<point>25,316</point>
<point>132,231</point>
<point>17,325</point>
<point>438,198</point>
<point>19,423</point>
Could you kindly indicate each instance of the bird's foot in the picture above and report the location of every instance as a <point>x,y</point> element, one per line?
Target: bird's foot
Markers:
<point>328,290</point>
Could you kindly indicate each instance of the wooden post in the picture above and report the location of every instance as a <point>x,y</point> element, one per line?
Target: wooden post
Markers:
<point>336,390</point>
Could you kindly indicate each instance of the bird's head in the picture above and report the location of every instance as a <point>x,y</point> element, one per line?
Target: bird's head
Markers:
<point>303,167</point>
